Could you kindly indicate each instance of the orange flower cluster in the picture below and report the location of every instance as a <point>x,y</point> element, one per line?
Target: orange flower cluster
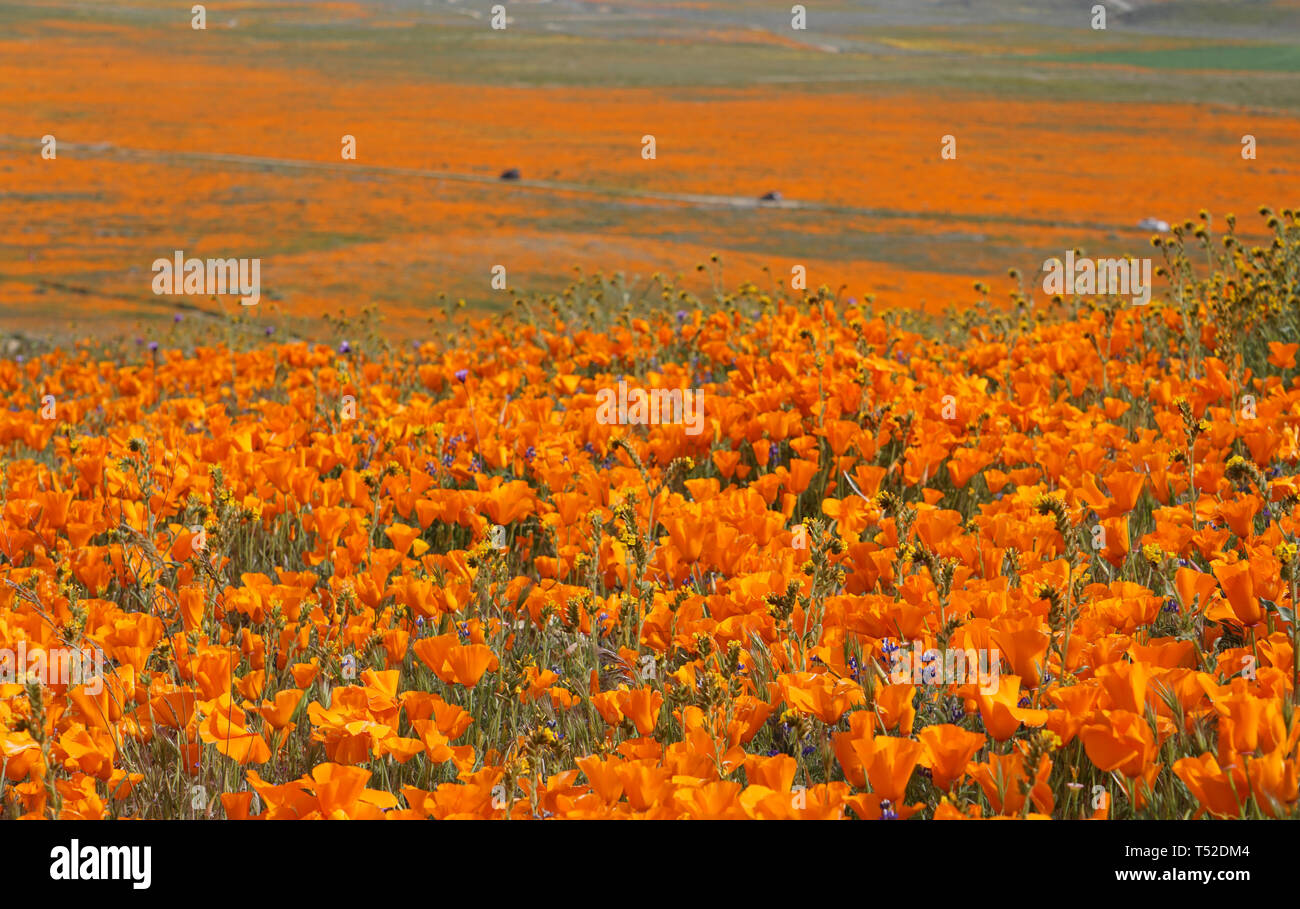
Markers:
<point>432,584</point>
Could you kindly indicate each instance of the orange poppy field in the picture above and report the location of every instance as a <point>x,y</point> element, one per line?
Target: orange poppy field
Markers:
<point>941,543</point>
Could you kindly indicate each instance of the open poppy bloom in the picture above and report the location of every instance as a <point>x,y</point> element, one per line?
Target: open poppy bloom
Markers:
<point>948,749</point>
<point>1002,712</point>
<point>225,728</point>
<point>1122,742</point>
<point>453,662</point>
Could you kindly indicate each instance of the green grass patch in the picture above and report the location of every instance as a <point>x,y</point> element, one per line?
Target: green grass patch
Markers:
<point>1273,58</point>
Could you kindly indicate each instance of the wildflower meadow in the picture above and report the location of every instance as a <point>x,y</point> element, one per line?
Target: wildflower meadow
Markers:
<point>846,416</point>
<point>426,581</point>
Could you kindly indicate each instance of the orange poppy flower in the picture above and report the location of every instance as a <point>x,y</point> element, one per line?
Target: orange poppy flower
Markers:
<point>1222,794</point>
<point>948,749</point>
<point>225,729</point>
<point>1282,355</point>
<point>1123,742</point>
<point>1002,713</point>
<point>453,662</point>
<point>1000,778</point>
<point>1239,588</point>
<point>641,706</point>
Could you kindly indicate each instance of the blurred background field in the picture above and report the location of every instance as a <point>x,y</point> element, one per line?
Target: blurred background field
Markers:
<point>225,142</point>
